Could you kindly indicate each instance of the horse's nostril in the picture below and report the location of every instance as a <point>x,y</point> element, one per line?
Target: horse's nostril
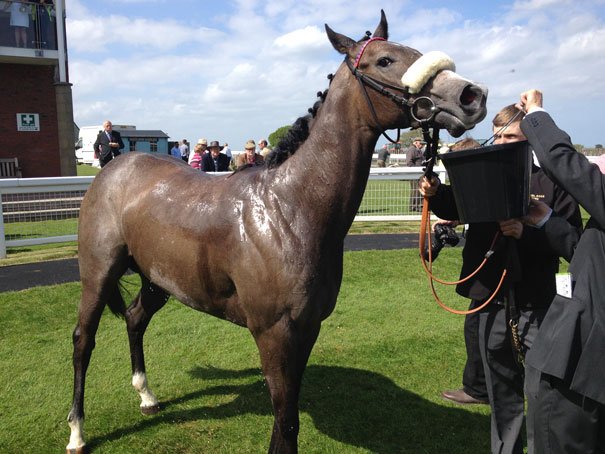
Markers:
<point>468,96</point>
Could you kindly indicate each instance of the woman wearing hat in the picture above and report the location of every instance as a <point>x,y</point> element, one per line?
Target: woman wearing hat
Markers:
<point>215,161</point>
<point>249,158</point>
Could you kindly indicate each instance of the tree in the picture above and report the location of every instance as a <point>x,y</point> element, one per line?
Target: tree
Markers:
<point>277,135</point>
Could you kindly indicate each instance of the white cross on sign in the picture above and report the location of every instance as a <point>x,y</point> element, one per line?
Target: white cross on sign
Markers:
<point>28,122</point>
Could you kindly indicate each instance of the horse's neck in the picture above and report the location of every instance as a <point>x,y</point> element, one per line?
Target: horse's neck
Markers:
<point>333,164</point>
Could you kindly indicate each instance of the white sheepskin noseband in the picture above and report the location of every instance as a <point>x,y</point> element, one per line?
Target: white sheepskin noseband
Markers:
<point>424,68</point>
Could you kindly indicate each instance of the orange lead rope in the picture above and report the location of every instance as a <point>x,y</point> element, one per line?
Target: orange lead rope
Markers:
<point>425,224</point>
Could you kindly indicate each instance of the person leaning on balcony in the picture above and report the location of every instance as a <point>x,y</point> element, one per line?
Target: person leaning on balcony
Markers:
<point>532,261</point>
<point>19,20</point>
<point>108,144</point>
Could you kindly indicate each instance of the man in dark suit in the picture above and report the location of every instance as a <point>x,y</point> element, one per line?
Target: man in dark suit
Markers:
<point>108,144</point>
<point>532,262</point>
<point>215,161</point>
<point>566,375</point>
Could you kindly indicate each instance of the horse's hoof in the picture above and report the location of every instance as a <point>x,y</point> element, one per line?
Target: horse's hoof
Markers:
<point>81,450</point>
<point>151,410</point>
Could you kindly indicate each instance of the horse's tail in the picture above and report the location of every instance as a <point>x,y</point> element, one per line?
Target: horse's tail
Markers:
<point>116,303</point>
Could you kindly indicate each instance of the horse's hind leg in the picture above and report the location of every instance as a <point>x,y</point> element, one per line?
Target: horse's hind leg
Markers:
<point>90,311</point>
<point>150,299</point>
<point>284,350</point>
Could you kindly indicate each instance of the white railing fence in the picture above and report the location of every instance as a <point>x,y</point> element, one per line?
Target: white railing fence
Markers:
<point>45,210</point>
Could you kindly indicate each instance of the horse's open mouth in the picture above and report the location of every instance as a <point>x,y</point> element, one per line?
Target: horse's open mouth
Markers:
<point>452,123</point>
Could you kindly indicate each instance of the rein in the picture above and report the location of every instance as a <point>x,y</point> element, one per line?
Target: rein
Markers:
<point>430,158</point>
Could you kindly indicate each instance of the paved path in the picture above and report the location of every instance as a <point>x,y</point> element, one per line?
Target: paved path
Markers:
<point>19,277</point>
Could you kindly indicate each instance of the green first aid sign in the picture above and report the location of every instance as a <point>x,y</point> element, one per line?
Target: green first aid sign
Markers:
<point>28,122</point>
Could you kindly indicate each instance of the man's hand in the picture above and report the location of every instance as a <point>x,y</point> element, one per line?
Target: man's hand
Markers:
<point>511,227</point>
<point>530,99</point>
<point>537,211</point>
<point>428,188</point>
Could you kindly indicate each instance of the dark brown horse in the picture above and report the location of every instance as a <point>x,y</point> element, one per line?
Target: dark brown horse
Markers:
<point>262,248</point>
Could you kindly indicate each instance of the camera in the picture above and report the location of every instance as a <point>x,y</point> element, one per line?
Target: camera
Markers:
<point>442,234</point>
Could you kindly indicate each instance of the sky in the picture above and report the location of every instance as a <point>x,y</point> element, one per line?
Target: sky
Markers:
<point>234,70</point>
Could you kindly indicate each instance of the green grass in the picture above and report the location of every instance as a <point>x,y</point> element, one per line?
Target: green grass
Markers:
<point>372,383</point>
<point>85,170</point>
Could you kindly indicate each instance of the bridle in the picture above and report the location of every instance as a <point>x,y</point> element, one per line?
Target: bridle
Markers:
<point>401,97</point>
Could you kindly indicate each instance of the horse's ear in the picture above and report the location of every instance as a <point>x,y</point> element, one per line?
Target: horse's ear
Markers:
<point>382,31</point>
<point>340,42</point>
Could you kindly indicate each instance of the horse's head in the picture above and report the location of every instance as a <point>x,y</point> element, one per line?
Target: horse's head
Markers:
<point>404,87</point>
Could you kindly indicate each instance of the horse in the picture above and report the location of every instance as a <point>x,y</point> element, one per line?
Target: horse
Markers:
<point>262,247</point>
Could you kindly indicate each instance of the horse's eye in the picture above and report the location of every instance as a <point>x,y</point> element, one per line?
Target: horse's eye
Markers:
<point>384,62</point>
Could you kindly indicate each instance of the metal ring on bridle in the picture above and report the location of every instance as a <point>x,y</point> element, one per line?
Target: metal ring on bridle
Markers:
<point>432,109</point>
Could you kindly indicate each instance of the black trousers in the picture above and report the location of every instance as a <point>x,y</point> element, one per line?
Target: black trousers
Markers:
<point>473,377</point>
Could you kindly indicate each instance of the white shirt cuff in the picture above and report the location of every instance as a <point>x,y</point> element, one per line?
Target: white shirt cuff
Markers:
<point>533,109</point>
<point>544,220</point>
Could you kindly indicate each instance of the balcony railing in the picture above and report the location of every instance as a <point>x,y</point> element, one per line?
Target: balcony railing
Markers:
<point>31,25</point>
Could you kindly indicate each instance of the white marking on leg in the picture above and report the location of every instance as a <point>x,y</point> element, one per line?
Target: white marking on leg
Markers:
<point>148,399</point>
<point>76,438</point>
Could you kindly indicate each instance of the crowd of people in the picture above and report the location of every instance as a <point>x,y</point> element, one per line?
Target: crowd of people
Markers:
<point>214,157</point>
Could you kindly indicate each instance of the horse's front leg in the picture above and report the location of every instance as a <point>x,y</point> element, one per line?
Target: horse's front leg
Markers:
<point>150,299</point>
<point>284,350</point>
<point>90,311</point>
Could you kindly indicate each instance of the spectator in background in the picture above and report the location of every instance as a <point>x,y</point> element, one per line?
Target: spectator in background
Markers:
<point>249,158</point>
<point>383,156</point>
<point>175,151</point>
<point>215,161</point>
<point>19,20</point>
<point>203,143</point>
<point>227,150</point>
<point>184,147</point>
<point>108,144</point>
<point>196,156</point>
<point>44,17</point>
<point>263,149</point>
<point>414,157</point>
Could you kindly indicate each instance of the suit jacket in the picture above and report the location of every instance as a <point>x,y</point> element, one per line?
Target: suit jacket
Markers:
<point>241,162</point>
<point>571,342</point>
<point>208,163</point>
<point>414,156</point>
<point>101,145</point>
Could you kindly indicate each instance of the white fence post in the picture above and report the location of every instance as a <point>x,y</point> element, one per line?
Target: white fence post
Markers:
<point>2,240</point>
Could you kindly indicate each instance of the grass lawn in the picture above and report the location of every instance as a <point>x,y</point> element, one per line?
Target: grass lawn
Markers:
<point>372,383</point>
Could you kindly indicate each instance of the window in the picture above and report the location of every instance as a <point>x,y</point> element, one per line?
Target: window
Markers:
<point>133,145</point>
<point>153,145</point>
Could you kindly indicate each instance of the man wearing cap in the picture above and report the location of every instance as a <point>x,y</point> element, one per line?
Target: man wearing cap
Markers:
<point>249,158</point>
<point>215,161</point>
<point>414,156</point>
<point>203,143</point>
